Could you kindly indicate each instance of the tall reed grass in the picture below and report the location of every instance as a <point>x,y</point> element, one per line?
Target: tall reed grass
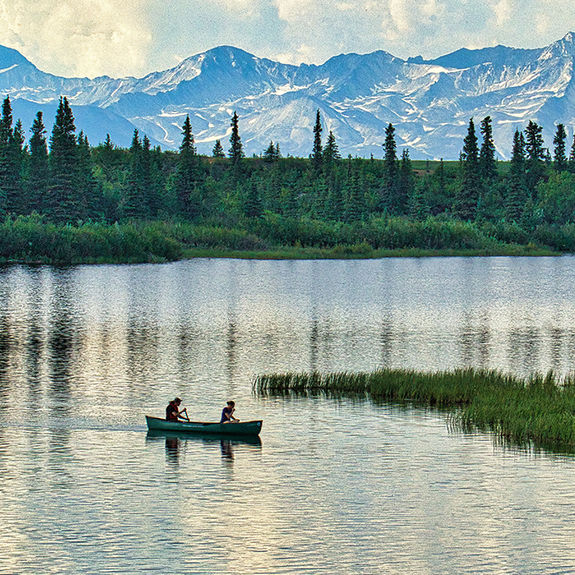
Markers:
<point>539,410</point>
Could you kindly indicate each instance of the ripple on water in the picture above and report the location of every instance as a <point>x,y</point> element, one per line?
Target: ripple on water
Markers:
<point>336,486</point>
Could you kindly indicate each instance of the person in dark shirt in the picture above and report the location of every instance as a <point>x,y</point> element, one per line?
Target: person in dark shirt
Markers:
<point>228,413</point>
<point>173,412</point>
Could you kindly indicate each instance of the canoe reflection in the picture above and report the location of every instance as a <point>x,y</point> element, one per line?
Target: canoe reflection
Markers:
<point>175,441</point>
<point>172,449</point>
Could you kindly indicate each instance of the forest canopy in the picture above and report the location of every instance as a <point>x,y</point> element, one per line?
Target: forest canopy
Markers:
<point>58,180</point>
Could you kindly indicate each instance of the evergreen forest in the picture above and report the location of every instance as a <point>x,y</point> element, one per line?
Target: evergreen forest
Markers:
<point>64,200</point>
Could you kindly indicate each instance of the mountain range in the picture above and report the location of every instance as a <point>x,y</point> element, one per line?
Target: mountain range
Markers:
<point>429,102</point>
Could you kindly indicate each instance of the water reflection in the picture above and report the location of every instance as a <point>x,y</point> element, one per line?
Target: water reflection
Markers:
<point>92,349</point>
<point>5,341</point>
<point>386,339</point>
<point>175,443</point>
<point>475,339</point>
<point>60,329</point>
<point>172,449</point>
<point>61,346</point>
<point>70,337</point>
<point>524,349</point>
<point>484,340</point>
<point>314,343</point>
<point>227,449</point>
<point>231,348</point>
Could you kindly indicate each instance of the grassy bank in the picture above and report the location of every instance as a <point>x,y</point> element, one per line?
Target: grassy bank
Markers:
<point>538,410</point>
<point>349,252</point>
<point>31,239</point>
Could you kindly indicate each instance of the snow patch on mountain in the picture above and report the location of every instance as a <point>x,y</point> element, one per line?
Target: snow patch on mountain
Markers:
<point>429,101</point>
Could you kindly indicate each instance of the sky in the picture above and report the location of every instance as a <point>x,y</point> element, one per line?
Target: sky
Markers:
<point>133,37</point>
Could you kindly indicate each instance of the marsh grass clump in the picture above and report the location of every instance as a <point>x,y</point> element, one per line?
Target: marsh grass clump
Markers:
<point>538,410</point>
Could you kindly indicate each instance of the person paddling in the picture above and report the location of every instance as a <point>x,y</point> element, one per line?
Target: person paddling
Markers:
<point>228,413</point>
<point>173,412</point>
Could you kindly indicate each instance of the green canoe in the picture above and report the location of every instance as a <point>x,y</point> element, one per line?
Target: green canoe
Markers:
<point>241,428</point>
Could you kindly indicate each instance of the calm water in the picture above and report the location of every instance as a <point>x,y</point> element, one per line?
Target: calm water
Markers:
<point>336,487</point>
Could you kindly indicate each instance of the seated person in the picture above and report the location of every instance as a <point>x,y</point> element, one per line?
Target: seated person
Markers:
<point>173,412</point>
<point>228,413</point>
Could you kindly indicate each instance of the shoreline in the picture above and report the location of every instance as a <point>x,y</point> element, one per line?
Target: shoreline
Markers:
<point>349,253</point>
<point>291,253</point>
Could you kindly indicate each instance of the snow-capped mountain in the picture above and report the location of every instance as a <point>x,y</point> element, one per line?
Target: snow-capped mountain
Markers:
<point>428,101</point>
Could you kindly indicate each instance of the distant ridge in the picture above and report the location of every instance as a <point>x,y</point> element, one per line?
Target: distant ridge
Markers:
<point>428,101</point>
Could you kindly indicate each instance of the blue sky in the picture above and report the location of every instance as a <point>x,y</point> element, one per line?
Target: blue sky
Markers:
<point>133,37</point>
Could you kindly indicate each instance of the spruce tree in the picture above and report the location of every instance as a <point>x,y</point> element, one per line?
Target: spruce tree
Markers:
<point>134,200</point>
<point>317,152</point>
<point>333,195</point>
<point>236,151</point>
<point>405,182</point>
<point>331,152</point>
<point>488,200</point>
<point>4,154</point>
<point>441,177</point>
<point>188,145</point>
<point>559,141</point>
<point>487,164</point>
<point>356,209</point>
<point>38,178</point>
<point>389,200</point>
<point>87,185</point>
<point>535,162</point>
<point>438,182</point>
<point>547,158</point>
<point>469,191</point>
<point>517,191</point>
<point>336,202</point>
<point>291,200</point>
<point>6,122</point>
<point>19,136</point>
<point>11,159</point>
<point>64,200</point>
<point>253,203</point>
<point>17,202</point>
<point>439,195</point>
<point>270,153</point>
<point>571,162</point>
<point>418,207</point>
<point>272,186</point>
<point>218,150</point>
<point>187,178</point>
<point>156,197</point>
<point>319,195</point>
<point>147,180</point>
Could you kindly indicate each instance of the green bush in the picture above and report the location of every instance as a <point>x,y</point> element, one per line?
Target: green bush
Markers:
<point>29,238</point>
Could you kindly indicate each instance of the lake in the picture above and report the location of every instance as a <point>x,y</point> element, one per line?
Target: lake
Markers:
<point>334,486</point>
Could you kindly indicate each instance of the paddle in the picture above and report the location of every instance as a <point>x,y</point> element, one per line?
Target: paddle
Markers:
<point>186,412</point>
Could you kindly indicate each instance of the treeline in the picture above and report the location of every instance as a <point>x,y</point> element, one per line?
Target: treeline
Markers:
<point>316,201</point>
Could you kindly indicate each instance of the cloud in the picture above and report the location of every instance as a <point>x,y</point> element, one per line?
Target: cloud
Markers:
<point>120,37</point>
<point>78,37</point>
<point>502,11</point>
<point>242,9</point>
<point>429,27</point>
